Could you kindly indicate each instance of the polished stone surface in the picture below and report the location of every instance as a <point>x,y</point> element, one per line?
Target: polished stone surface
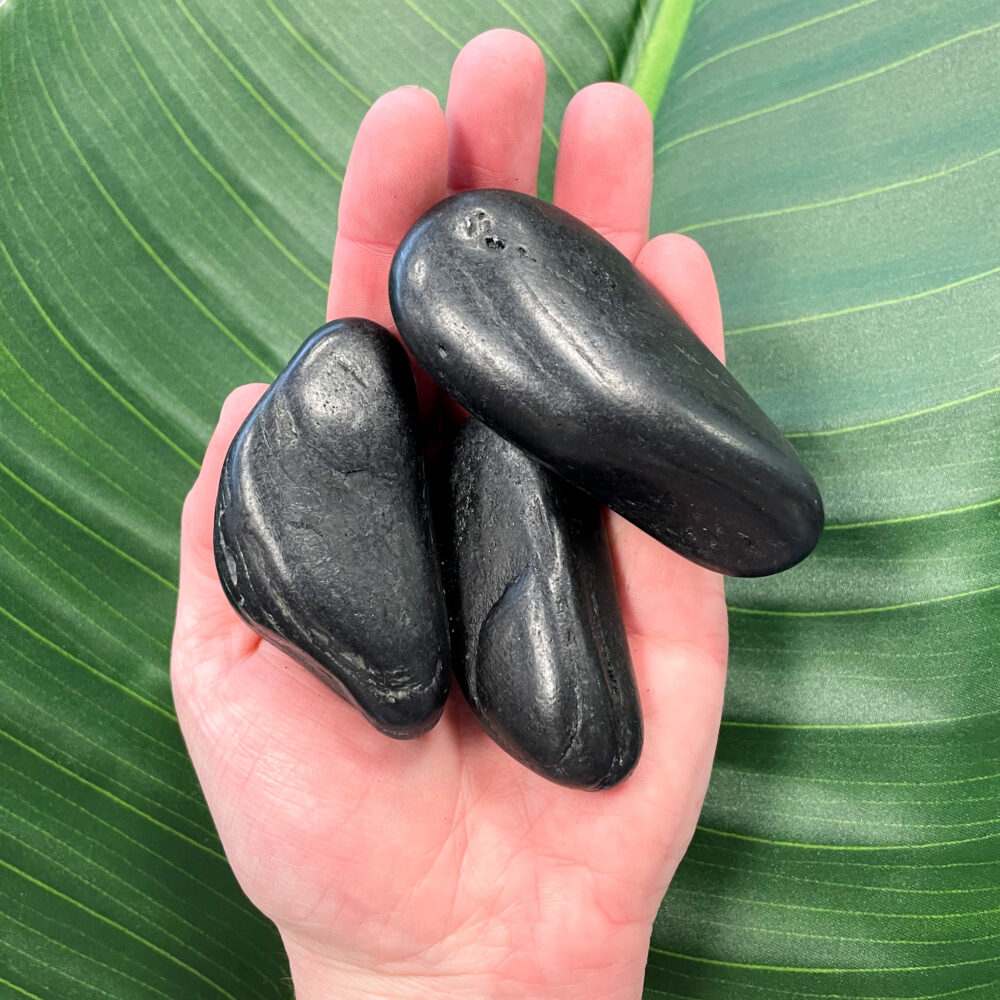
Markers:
<point>323,538</point>
<point>539,646</point>
<point>538,326</point>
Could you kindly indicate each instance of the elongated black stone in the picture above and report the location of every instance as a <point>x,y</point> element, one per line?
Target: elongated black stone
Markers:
<point>539,645</point>
<point>540,327</point>
<point>323,539</point>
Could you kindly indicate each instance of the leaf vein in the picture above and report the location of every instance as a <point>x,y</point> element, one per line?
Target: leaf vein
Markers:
<point>114,798</point>
<point>781,613</point>
<point>117,926</point>
<point>840,84</point>
<point>791,29</point>
<point>206,163</point>
<point>864,307</point>
<point>257,96</point>
<point>843,199</point>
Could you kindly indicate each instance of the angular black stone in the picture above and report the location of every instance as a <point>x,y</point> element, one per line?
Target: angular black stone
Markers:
<point>538,326</point>
<point>539,646</point>
<point>323,538</point>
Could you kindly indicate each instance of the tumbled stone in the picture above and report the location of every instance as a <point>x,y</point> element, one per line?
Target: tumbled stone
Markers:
<point>538,326</point>
<point>539,646</point>
<point>323,538</point>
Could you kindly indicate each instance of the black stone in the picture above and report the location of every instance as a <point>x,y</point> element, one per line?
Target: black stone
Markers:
<point>539,646</point>
<point>538,326</point>
<point>323,538</point>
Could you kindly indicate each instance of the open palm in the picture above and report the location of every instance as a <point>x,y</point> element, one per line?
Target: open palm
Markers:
<point>439,865</point>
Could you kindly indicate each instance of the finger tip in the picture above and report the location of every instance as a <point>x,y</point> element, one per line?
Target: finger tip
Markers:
<point>496,104</point>
<point>504,46</point>
<point>680,268</point>
<point>238,404</point>
<point>685,258</point>
<point>498,74</point>
<point>235,409</point>
<point>198,510</point>
<point>610,102</point>
<point>398,167</point>
<point>604,170</point>
<point>610,114</point>
<point>403,101</point>
<point>406,125</point>
<point>677,244</point>
<point>407,120</point>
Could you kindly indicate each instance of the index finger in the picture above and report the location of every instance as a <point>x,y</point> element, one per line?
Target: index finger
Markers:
<point>398,168</point>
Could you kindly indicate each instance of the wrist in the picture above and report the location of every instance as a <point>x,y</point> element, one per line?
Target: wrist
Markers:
<point>323,977</point>
<point>320,975</point>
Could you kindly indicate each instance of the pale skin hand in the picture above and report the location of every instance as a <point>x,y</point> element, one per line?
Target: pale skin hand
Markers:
<point>439,867</point>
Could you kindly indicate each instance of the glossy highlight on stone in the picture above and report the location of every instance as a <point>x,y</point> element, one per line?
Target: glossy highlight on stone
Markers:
<point>538,326</point>
<point>539,646</point>
<point>323,537</point>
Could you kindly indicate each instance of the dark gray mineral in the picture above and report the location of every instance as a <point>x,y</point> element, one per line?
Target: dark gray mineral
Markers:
<point>538,326</point>
<point>537,632</point>
<point>323,537</point>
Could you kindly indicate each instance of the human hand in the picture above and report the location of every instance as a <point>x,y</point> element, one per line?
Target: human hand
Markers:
<point>439,867</point>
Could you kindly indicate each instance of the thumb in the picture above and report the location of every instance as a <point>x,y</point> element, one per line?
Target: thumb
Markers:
<point>206,625</point>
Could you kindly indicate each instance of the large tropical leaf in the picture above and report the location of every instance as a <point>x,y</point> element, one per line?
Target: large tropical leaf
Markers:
<point>840,164</point>
<point>170,172</point>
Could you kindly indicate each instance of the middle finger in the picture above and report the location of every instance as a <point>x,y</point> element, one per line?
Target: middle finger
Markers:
<point>496,101</point>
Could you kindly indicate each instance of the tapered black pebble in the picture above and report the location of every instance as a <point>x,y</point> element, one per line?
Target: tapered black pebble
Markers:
<point>540,327</point>
<point>537,632</point>
<point>323,539</point>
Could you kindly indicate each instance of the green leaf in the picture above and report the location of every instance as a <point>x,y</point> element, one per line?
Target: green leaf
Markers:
<point>656,41</point>
<point>839,162</point>
<point>160,242</point>
<point>168,204</point>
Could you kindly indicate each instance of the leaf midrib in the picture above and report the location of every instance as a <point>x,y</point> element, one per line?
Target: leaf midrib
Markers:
<point>650,60</point>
